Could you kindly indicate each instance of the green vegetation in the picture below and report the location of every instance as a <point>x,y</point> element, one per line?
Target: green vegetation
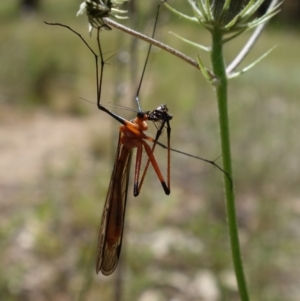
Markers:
<point>55,169</point>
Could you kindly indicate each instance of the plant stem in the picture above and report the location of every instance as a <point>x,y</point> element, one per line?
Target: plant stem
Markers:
<point>221,91</point>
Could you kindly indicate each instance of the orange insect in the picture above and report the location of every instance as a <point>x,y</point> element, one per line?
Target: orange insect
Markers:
<point>131,136</point>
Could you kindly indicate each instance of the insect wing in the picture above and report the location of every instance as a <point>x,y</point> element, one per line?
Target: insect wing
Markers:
<point>112,224</point>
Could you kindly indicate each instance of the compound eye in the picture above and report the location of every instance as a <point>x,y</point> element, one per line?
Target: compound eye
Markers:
<point>162,108</point>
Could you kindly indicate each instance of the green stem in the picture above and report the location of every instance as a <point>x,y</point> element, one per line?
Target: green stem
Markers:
<point>221,91</point>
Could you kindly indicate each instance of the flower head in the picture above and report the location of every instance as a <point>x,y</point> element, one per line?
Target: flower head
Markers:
<point>96,10</point>
<point>230,15</point>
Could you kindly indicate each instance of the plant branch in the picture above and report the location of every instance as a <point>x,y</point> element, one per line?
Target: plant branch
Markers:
<point>153,42</point>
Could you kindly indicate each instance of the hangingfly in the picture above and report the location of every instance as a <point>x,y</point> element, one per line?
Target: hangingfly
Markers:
<point>131,136</point>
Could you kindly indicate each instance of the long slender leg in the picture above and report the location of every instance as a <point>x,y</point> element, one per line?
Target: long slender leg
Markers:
<point>156,167</point>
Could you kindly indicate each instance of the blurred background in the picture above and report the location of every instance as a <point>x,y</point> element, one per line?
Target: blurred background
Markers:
<point>57,153</point>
